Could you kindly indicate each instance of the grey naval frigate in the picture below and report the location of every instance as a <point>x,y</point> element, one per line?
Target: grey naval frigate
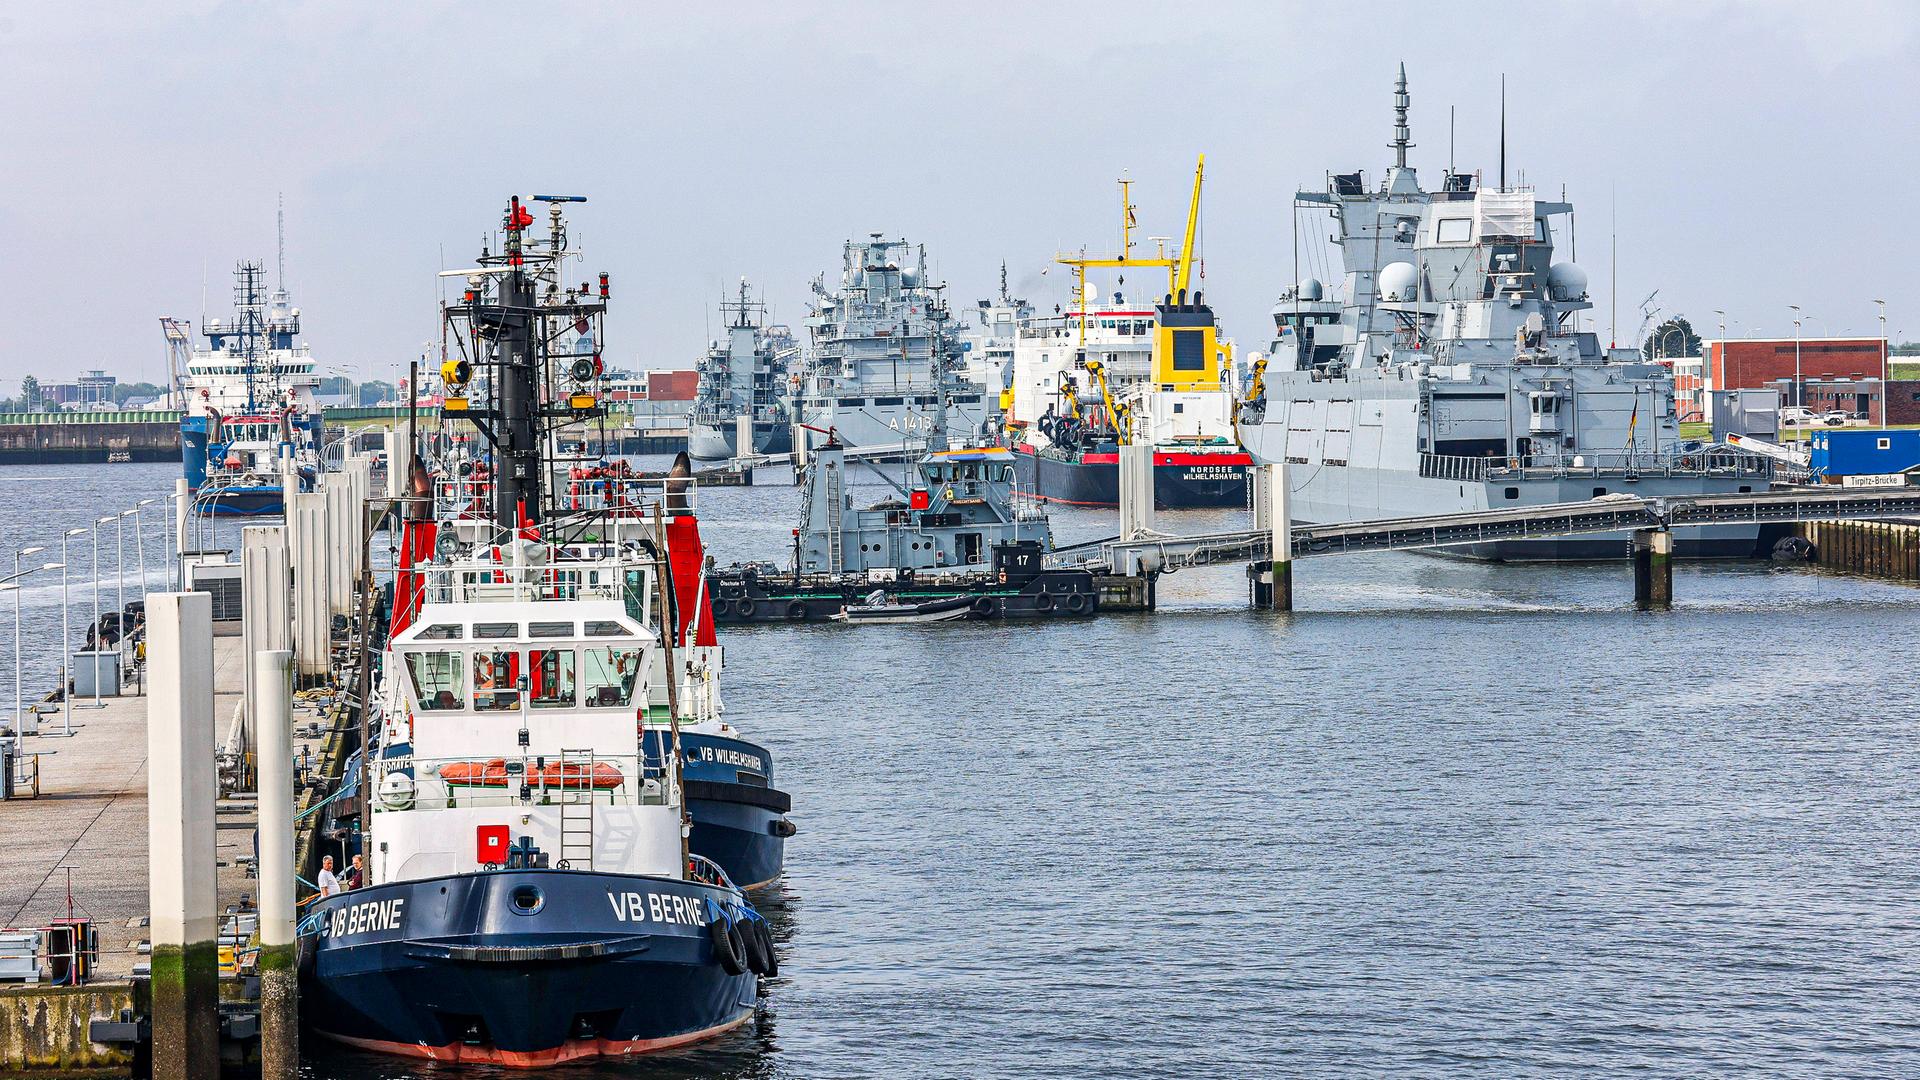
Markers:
<point>885,352</point>
<point>1453,373</point>
<point>744,375</point>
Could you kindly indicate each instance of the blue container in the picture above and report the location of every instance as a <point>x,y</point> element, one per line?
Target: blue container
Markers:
<point>1854,451</point>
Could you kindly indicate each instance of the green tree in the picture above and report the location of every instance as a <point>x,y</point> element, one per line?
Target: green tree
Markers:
<point>30,394</point>
<point>375,393</point>
<point>123,391</point>
<point>1672,338</point>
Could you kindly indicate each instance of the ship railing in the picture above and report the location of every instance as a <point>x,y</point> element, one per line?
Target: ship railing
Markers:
<point>626,495</point>
<point>505,582</point>
<point>1454,467</point>
<point>520,780</point>
<point>1702,462</point>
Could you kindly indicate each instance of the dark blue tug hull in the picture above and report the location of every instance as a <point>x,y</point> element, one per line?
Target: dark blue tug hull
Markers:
<point>739,819</point>
<point>522,968</point>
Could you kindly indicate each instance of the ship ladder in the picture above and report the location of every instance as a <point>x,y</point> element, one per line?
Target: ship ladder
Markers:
<point>576,809</point>
<point>834,499</point>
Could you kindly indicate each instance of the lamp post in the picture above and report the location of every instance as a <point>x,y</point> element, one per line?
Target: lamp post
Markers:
<point>19,725</point>
<point>1799,388</point>
<point>97,643</point>
<point>126,631</point>
<point>19,703</point>
<point>140,541</point>
<point>1886,398</point>
<point>66,640</point>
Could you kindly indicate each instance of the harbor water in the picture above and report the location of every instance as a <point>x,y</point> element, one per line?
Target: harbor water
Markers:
<point>1445,818</point>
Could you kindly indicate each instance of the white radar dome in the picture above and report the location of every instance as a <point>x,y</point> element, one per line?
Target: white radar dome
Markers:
<point>1397,282</point>
<point>1566,282</point>
<point>1311,289</point>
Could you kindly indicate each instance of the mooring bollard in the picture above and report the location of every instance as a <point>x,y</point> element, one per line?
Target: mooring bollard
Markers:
<point>1653,569</point>
<point>1273,510</point>
<point>279,992</point>
<point>181,791</point>
<point>743,444</point>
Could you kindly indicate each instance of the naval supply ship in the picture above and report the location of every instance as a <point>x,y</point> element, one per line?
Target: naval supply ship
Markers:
<point>744,375</point>
<point>248,401</point>
<point>531,895</point>
<point>885,353</point>
<point>1112,371</point>
<point>1454,373</point>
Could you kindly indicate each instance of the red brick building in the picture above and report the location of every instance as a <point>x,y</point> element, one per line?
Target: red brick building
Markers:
<point>1837,373</point>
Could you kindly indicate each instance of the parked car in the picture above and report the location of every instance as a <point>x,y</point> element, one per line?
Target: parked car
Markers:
<point>1795,416</point>
<point>1837,418</point>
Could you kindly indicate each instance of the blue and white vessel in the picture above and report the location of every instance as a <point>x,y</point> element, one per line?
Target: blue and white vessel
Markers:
<point>248,403</point>
<point>532,896</point>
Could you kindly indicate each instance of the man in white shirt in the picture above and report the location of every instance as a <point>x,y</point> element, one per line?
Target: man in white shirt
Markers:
<point>327,882</point>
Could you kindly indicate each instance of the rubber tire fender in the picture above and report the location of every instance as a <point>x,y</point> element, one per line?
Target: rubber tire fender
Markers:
<point>746,608</point>
<point>758,960</point>
<point>765,933</point>
<point>985,608</point>
<point>728,949</point>
<point>797,610</point>
<point>1043,603</point>
<point>1078,603</point>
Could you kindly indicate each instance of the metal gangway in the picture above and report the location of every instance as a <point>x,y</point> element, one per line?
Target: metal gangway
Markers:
<point>1158,553</point>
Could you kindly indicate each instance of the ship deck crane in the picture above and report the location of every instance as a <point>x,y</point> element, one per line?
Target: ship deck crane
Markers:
<point>1179,268</point>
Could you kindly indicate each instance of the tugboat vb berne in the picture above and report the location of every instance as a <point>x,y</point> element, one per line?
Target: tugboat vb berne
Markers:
<point>531,898</point>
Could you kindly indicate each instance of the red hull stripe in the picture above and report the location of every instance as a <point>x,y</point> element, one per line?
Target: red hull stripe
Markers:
<point>1183,457</point>
<point>575,1050</point>
<point>1191,458</point>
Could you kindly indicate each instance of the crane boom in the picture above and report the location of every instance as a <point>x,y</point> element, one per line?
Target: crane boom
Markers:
<point>1184,270</point>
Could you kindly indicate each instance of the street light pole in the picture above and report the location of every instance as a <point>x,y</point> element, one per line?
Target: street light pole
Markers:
<point>97,643</point>
<point>19,710</point>
<point>1799,387</point>
<point>19,721</point>
<point>66,640</point>
<point>1886,394</point>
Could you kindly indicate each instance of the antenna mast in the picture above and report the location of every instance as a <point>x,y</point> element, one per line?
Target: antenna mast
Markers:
<point>280,257</point>
<point>1402,136</point>
<point>1503,132</point>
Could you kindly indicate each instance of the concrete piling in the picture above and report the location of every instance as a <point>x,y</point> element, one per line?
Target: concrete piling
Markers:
<point>307,554</point>
<point>265,622</point>
<point>1653,569</point>
<point>181,791</point>
<point>1136,490</point>
<point>1273,510</point>
<point>272,703</point>
<point>743,442</point>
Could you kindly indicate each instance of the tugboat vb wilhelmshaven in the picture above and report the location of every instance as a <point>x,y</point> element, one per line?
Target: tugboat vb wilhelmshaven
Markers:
<point>956,542</point>
<point>535,891</point>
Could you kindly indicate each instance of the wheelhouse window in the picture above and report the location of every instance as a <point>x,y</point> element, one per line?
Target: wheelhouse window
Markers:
<point>496,630</point>
<point>609,677</point>
<point>441,632</point>
<point>598,628</point>
<point>439,682</point>
<point>1455,230</point>
<point>496,680</point>
<point>551,681</point>
<point>549,629</point>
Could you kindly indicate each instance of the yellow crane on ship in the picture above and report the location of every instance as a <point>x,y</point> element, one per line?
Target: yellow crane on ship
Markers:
<point>1173,366</point>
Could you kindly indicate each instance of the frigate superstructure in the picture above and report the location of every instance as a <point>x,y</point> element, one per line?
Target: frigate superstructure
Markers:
<point>886,355</point>
<point>743,375</point>
<point>1454,372</point>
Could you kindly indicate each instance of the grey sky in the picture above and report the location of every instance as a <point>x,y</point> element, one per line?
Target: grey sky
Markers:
<point>1753,150</point>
